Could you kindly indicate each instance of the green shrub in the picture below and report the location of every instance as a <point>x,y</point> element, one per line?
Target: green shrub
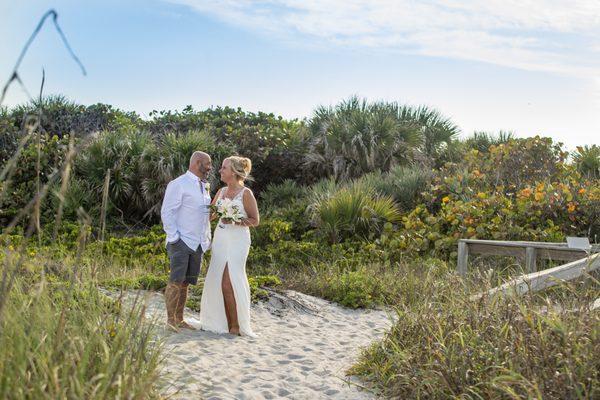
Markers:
<point>146,282</point>
<point>543,212</point>
<point>404,184</point>
<point>258,282</point>
<point>371,282</point>
<point>286,258</point>
<point>274,144</point>
<point>283,255</point>
<point>20,187</point>
<point>271,230</point>
<point>505,168</point>
<point>281,195</point>
<point>285,202</point>
<point>354,289</point>
<point>353,211</point>
<point>63,117</point>
<point>10,135</point>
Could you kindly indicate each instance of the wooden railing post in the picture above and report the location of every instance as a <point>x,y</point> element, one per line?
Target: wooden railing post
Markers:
<point>531,259</point>
<point>463,257</point>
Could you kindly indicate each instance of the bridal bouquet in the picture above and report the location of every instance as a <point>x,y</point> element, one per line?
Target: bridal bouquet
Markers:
<point>227,210</point>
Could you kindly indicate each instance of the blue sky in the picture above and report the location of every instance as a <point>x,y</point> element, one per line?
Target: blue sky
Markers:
<point>529,67</point>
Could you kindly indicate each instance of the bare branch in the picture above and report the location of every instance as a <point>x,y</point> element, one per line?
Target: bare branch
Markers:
<point>14,76</point>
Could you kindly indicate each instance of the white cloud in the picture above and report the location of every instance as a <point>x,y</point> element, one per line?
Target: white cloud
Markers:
<point>539,35</point>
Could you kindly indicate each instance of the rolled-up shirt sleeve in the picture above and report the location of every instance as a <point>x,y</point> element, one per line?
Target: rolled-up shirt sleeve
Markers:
<point>170,205</point>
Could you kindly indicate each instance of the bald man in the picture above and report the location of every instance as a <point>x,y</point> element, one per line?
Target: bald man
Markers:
<point>185,217</point>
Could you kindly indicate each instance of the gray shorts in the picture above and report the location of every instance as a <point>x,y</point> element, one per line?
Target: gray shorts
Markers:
<point>185,263</point>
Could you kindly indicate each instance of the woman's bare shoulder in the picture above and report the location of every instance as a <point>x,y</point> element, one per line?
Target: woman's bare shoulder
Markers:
<point>248,193</point>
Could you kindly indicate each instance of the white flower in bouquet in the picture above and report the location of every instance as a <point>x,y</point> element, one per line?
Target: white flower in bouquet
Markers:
<point>226,209</point>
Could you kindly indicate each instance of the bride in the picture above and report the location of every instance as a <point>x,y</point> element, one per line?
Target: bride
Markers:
<point>225,304</point>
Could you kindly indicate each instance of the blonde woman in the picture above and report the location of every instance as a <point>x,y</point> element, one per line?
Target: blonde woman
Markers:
<point>225,304</point>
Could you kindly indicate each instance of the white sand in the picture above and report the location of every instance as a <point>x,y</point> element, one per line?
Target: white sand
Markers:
<point>305,346</point>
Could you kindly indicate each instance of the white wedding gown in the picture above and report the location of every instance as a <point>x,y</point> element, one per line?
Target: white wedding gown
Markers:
<point>230,246</point>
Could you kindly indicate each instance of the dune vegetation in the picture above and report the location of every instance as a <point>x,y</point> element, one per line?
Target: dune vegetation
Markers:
<point>362,204</point>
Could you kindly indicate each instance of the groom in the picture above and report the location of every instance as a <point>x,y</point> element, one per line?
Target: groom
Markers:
<point>185,218</point>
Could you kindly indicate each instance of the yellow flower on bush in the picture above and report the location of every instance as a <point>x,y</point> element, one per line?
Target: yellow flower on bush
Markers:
<point>445,199</point>
<point>526,192</point>
<point>581,191</point>
<point>539,196</point>
<point>481,195</point>
<point>571,207</point>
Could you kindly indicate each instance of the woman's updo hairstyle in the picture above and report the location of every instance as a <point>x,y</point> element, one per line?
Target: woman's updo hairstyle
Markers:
<point>241,167</point>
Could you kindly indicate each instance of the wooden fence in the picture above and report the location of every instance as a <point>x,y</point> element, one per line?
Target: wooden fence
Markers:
<point>536,281</point>
<point>529,252</point>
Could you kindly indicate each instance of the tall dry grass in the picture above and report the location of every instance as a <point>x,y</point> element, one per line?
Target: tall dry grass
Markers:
<point>446,346</point>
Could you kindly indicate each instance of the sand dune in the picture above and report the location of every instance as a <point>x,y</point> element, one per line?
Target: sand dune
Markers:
<point>305,346</point>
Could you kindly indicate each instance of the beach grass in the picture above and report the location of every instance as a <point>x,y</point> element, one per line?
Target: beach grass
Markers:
<point>61,338</point>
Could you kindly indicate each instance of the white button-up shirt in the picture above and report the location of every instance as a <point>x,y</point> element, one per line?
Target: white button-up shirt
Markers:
<point>185,212</point>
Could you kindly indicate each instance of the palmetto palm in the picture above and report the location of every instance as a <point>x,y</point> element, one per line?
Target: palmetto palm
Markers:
<point>170,158</point>
<point>436,130</point>
<point>121,153</point>
<point>343,211</point>
<point>587,160</point>
<point>482,141</point>
<point>356,137</point>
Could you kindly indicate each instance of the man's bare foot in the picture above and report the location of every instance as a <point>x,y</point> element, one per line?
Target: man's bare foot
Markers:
<point>235,332</point>
<point>172,327</point>
<point>185,325</point>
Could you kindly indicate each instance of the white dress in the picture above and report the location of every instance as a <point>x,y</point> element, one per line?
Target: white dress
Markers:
<point>230,246</point>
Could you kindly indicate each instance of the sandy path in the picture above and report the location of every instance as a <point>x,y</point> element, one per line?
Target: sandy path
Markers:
<point>305,346</point>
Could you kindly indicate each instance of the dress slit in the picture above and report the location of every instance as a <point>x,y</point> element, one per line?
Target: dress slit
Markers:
<point>235,299</point>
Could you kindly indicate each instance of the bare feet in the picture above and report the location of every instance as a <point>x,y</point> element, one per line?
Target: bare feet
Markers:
<point>172,327</point>
<point>185,325</point>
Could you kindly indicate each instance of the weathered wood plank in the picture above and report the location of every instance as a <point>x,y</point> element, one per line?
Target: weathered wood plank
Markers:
<point>463,257</point>
<point>495,250</point>
<point>523,243</point>
<point>541,280</point>
<point>560,255</point>
<point>515,243</point>
<point>531,259</point>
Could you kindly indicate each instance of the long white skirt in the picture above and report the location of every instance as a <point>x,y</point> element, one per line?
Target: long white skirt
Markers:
<point>230,246</point>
